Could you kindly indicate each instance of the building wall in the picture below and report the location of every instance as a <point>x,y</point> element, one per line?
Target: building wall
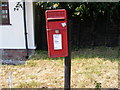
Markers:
<point>15,54</point>
<point>30,24</point>
<point>12,36</point>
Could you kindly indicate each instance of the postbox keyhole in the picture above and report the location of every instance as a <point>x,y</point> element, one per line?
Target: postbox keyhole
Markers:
<point>56,31</point>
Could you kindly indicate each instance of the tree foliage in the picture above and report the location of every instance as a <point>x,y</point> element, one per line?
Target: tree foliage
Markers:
<point>82,9</point>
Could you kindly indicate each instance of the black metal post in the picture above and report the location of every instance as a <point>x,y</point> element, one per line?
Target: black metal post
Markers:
<point>67,72</point>
<point>25,27</point>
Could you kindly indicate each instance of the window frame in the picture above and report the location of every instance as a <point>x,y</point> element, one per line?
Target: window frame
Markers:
<point>8,17</point>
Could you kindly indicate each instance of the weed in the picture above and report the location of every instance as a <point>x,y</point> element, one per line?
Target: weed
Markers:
<point>97,85</point>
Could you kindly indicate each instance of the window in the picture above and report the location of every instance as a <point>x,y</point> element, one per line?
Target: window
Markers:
<point>4,13</point>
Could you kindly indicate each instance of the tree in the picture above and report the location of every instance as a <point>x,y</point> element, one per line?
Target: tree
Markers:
<point>84,8</point>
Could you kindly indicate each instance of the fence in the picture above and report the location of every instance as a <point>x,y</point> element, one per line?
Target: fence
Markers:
<point>87,32</point>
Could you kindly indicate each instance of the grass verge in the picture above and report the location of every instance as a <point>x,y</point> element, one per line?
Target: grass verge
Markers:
<point>90,66</point>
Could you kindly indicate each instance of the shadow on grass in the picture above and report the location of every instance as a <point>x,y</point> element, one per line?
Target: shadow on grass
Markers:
<point>110,53</point>
<point>43,55</point>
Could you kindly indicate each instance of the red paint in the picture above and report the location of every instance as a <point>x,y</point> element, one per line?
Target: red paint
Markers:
<point>54,18</point>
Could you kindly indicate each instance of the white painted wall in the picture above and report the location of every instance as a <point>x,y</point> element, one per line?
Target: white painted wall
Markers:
<point>12,36</point>
<point>30,23</point>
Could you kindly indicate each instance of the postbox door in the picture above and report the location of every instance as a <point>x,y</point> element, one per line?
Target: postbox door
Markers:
<point>57,43</point>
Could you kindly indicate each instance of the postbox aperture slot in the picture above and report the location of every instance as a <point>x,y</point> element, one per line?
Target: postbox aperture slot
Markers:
<point>55,20</point>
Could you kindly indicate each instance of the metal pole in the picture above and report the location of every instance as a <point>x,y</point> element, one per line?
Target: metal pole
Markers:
<point>67,71</point>
<point>25,27</point>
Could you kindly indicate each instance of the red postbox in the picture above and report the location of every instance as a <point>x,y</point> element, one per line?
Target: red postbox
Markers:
<point>56,27</point>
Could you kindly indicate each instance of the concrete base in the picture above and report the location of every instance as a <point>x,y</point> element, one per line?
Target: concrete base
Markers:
<point>11,62</point>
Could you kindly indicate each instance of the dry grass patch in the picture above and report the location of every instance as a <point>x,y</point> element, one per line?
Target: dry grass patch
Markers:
<point>87,69</point>
<point>35,73</point>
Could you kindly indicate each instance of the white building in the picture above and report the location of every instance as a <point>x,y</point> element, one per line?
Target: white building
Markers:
<point>12,30</point>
